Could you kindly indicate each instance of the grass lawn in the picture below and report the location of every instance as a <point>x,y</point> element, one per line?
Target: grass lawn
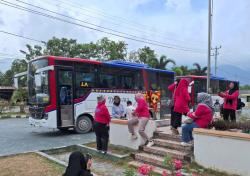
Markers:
<point>113,148</point>
<point>29,164</point>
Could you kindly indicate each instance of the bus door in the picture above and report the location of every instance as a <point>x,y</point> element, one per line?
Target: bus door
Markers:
<point>65,96</point>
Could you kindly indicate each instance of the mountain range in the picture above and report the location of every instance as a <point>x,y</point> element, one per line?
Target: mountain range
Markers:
<point>232,72</point>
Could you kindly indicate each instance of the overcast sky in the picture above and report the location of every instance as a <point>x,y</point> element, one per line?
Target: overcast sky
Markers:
<point>173,22</point>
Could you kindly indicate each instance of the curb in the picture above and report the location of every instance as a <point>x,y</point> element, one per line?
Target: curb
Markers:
<point>112,155</point>
<point>62,163</point>
<point>13,116</point>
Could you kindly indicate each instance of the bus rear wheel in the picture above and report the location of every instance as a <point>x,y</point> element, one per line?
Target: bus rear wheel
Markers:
<point>83,124</point>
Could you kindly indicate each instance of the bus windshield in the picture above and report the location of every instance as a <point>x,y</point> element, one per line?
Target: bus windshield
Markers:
<point>38,83</point>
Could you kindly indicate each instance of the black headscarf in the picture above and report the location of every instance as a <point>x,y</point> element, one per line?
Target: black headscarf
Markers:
<point>117,104</point>
<point>77,164</point>
<point>231,91</point>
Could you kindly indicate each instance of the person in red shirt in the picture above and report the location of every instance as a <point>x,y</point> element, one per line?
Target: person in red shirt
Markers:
<point>101,125</point>
<point>181,100</point>
<point>230,101</point>
<point>142,112</point>
<point>201,118</point>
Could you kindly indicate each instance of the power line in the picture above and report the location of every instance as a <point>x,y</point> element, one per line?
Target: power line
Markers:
<point>20,36</point>
<point>84,26</point>
<point>99,25</point>
<point>116,18</point>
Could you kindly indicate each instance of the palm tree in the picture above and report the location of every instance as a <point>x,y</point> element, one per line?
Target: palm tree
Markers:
<point>199,70</point>
<point>162,62</point>
<point>185,70</point>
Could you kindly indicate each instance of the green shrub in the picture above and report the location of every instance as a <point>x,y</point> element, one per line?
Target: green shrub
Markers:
<point>19,96</point>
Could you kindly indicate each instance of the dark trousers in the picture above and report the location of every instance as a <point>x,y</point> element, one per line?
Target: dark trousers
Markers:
<point>102,136</point>
<point>229,113</point>
<point>175,119</point>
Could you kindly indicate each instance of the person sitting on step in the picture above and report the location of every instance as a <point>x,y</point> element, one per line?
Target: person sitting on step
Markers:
<point>201,118</point>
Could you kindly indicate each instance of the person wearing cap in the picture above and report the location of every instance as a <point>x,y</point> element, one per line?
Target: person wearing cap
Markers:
<point>101,125</point>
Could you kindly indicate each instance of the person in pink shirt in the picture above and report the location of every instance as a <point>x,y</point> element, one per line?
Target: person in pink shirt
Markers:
<point>181,101</point>
<point>142,112</point>
<point>230,101</point>
<point>201,118</point>
<point>101,125</point>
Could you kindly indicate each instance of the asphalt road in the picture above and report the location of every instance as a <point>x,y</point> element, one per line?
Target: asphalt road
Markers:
<point>16,136</point>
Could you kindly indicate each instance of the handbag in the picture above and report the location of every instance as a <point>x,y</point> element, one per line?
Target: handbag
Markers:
<point>188,120</point>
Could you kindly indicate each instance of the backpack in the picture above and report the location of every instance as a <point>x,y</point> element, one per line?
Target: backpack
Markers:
<point>240,104</point>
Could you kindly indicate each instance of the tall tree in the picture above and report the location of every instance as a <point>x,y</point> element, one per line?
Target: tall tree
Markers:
<point>133,56</point>
<point>32,52</point>
<point>147,56</point>
<point>162,62</point>
<point>62,47</point>
<point>185,70</point>
<point>111,50</point>
<point>7,79</point>
<point>199,70</point>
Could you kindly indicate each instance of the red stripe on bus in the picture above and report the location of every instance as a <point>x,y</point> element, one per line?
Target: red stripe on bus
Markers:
<point>52,86</point>
<point>78,60</point>
<point>145,78</point>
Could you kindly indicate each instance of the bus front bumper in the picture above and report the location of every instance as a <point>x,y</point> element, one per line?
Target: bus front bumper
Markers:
<point>37,122</point>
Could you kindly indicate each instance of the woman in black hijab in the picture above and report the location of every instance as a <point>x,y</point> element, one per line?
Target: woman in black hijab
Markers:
<point>230,101</point>
<point>78,166</point>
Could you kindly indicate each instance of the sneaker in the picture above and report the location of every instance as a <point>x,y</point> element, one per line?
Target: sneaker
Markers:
<point>150,143</point>
<point>185,144</point>
<point>134,136</point>
<point>104,152</point>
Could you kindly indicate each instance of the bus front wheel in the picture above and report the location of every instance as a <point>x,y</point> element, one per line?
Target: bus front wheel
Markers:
<point>83,124</point>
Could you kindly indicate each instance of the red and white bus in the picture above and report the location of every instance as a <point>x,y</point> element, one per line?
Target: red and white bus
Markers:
<point>62,91</point>
<point>218,84</point>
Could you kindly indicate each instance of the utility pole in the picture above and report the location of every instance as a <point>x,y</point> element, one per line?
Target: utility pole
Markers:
<point>215,58</point>
<point>209,44</point>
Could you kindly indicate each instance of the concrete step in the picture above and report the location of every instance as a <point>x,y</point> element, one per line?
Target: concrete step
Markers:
<point>162,122</point>
<point>168,152</point>
<point>157,170</point>
<point>172,145</point>
<point>167,136</point>
<point>151,159</point>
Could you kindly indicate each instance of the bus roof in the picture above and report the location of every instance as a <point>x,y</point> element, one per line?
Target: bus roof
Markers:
<point>124,64</point>
<point>113,63</point>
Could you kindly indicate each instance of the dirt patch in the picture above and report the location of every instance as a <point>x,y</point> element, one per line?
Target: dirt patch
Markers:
<point>29,165</point>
